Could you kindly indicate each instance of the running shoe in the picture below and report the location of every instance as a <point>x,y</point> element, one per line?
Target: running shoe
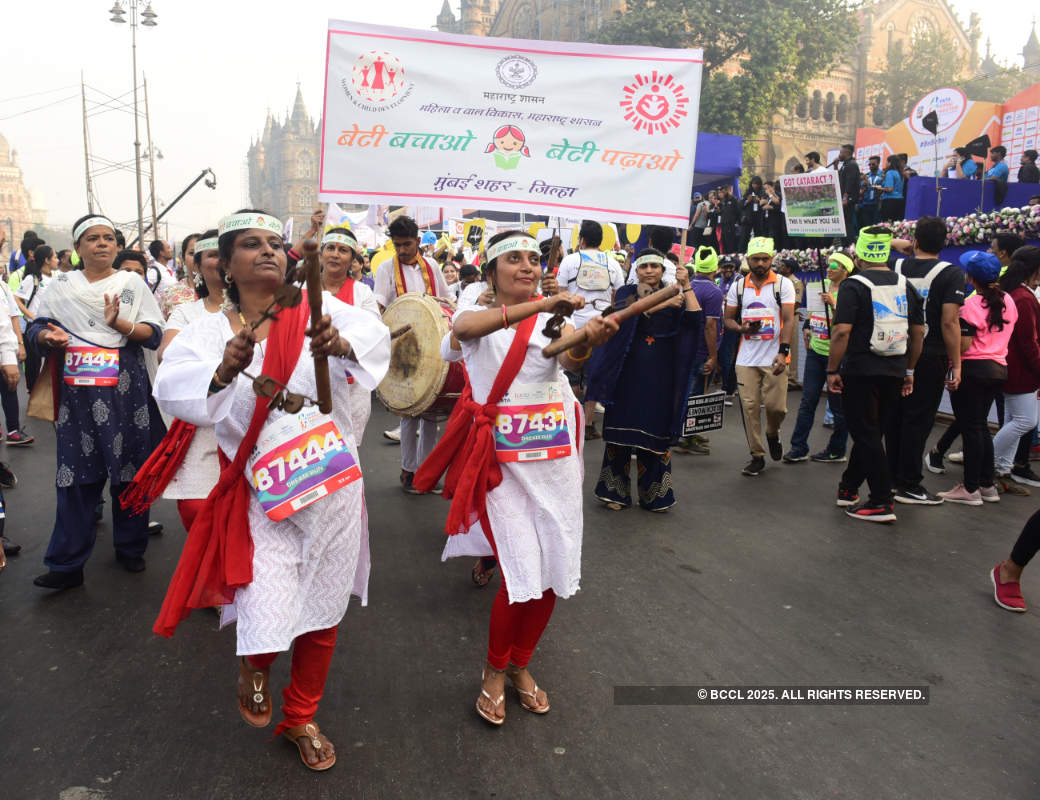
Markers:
<point>406,482</point>
<point>776,450</point>
<point>956,458</point>
<point>8,480</point>
<point>20,439</point>
<point>873,512</point>
<point>792,457</point>
<point>825,457</point>
<point>959,494</point>
<point>394,435</point>
<point>1025,475</point>
<point>918,496</point>
<point>846,498</point>
<point>728,402</point>
<point>10,548</point>
<point>1005,485</point>
<point>989,494</point>
<point>1008,595</point>
<point>933,462</point>
<point>755,466</point>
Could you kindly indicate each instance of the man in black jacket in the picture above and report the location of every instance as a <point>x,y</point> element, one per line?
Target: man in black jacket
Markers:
<point>848,182</point>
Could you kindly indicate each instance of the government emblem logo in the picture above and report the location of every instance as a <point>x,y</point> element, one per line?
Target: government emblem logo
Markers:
<point>516,72</point>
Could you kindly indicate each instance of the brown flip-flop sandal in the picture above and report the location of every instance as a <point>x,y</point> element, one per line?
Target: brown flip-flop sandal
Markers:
<point>481,576</point>
<point>310,731</point>
<point>257,678</point>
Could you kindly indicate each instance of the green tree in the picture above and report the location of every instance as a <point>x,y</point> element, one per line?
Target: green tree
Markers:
<point>910,72</point>
<point>998,87</point>
<point>758,56</point>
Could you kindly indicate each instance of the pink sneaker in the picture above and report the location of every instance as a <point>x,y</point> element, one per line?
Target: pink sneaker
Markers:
<point>989,494</point>
<point>1008,595</point>
<point>958,494</point>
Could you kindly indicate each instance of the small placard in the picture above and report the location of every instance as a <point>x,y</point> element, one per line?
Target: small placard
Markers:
<point>704,413</point>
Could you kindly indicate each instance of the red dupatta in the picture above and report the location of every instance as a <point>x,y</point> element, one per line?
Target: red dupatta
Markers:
<point>346,292</point>
<point>467,448</point>
<point>218,553</point>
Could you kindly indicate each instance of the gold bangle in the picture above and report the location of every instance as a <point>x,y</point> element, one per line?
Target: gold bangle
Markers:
<point>573,357</point>
<point>218,381</point>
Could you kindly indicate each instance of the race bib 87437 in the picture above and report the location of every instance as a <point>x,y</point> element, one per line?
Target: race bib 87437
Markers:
<point>91,366</point>
<point>531,424</point>
<point>298,460</point>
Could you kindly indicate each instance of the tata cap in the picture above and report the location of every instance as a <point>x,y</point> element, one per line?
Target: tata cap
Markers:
<point>840,260</point>
<point>981,266</point>
<point>874,247</point>
<point>759,245</point>
<point>705,260</point>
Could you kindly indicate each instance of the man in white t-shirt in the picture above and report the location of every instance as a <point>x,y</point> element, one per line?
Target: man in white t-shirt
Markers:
<point>162,257</point>
<point>410,271</point>
<point>595,275</point>
<point>760,307</point>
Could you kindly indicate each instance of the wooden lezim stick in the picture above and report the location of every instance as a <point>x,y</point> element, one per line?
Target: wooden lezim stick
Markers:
<point>321,363</point>
<point>400,331</point>
<point>643,304</point>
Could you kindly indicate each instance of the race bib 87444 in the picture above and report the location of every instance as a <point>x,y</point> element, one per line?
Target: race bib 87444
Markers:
<point>531,424</point>
<point>298,460</point>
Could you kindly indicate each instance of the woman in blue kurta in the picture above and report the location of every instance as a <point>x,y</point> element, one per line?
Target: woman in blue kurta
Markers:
<point>94,325</point>
<point>643,376</point>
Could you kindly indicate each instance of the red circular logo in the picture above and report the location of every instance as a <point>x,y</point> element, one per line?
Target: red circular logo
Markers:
<point>654,103</point>
<point>377,76</point>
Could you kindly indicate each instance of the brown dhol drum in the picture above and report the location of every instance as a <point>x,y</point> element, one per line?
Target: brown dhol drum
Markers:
<point>419,382</point>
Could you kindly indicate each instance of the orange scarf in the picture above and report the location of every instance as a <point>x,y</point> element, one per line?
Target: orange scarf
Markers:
<point>424,268</point>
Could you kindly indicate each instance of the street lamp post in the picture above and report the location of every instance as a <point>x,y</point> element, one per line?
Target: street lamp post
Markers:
<point>148,17</point>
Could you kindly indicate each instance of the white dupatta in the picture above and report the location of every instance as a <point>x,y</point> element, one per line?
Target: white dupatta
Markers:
<point>80,305</point>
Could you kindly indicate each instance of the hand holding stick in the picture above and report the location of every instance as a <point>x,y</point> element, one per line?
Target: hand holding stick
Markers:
<point>312,269</point>
<point>643,304</point>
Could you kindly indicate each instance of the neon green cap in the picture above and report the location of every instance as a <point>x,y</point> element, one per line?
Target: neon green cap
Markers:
<point>759,245</point>
<point>874,247</point>
<point>706,260</point>
<point>841,260</point>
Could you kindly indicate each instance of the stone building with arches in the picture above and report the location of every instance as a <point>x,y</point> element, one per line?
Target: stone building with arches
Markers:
<point>283,166</point>
<point>17,214</point>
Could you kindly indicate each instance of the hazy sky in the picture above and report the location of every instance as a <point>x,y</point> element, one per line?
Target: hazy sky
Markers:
<point>213,69</point>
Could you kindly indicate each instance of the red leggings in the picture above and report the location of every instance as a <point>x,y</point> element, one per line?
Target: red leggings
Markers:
<point>189,509</point>
<point>515,627</point>
<point>311,656</point>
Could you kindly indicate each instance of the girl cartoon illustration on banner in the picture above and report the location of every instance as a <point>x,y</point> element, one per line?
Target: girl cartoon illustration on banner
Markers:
<point>508,144</point>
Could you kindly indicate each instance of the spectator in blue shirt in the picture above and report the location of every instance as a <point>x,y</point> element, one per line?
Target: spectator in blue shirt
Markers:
<point>869,213</point>
<point>893,204</point>
<point>964,164</point>
<point>999,171</point>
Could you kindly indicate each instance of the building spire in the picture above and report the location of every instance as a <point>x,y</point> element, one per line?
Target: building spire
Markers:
<point>1031,52</point>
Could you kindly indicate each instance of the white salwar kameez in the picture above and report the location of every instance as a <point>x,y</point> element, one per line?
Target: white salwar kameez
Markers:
<point>200,469</point>
<point>305,567</point>
<point>536,512</point>
<point>360,396</point>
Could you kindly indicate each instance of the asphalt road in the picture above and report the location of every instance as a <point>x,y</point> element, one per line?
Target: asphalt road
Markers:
<point>747,582</point>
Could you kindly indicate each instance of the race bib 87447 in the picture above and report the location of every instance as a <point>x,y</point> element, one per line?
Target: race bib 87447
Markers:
<point>531,424</point>
<point>91,366</point>
<point>298,460</point>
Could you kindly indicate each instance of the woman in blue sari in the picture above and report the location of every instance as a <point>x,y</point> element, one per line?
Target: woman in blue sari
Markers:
<point>642,377</point>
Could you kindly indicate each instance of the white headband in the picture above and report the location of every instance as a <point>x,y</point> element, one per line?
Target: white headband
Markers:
<point>340,238</point>
<point>90,222</point>
<point>523,243</point>
<point>246,221</point>
<point>648,259</point>
<point>202,245</point>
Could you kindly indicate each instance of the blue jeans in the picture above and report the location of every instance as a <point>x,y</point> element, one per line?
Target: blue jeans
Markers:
<point>813,383</point>
<point>697,387</point>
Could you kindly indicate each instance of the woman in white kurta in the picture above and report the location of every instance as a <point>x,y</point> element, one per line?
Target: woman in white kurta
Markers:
<point>532,516</point>
<point>339,254</point>
<point>200,469</point>
<point>306,565</point>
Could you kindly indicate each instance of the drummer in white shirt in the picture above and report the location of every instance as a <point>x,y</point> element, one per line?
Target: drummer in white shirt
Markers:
<point>595,275</point>
<point>410,271</point>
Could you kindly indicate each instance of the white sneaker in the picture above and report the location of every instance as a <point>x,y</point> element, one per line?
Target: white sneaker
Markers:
<point>394,435</point>
<point>600,409</point>
<point>956,458</point>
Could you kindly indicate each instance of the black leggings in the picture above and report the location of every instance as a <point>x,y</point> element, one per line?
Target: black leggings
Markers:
<point>9,401</point>
<point>971,404</point>
<point>1028,541</point>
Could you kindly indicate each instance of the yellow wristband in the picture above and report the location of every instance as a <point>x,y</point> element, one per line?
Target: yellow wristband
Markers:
<point>575,358</point>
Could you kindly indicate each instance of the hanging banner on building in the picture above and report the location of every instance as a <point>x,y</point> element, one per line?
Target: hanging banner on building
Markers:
<point>579,130</point>
<point>812,203</point>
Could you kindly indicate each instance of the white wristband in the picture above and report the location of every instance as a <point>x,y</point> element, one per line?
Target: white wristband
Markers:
<point>910,373</point>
